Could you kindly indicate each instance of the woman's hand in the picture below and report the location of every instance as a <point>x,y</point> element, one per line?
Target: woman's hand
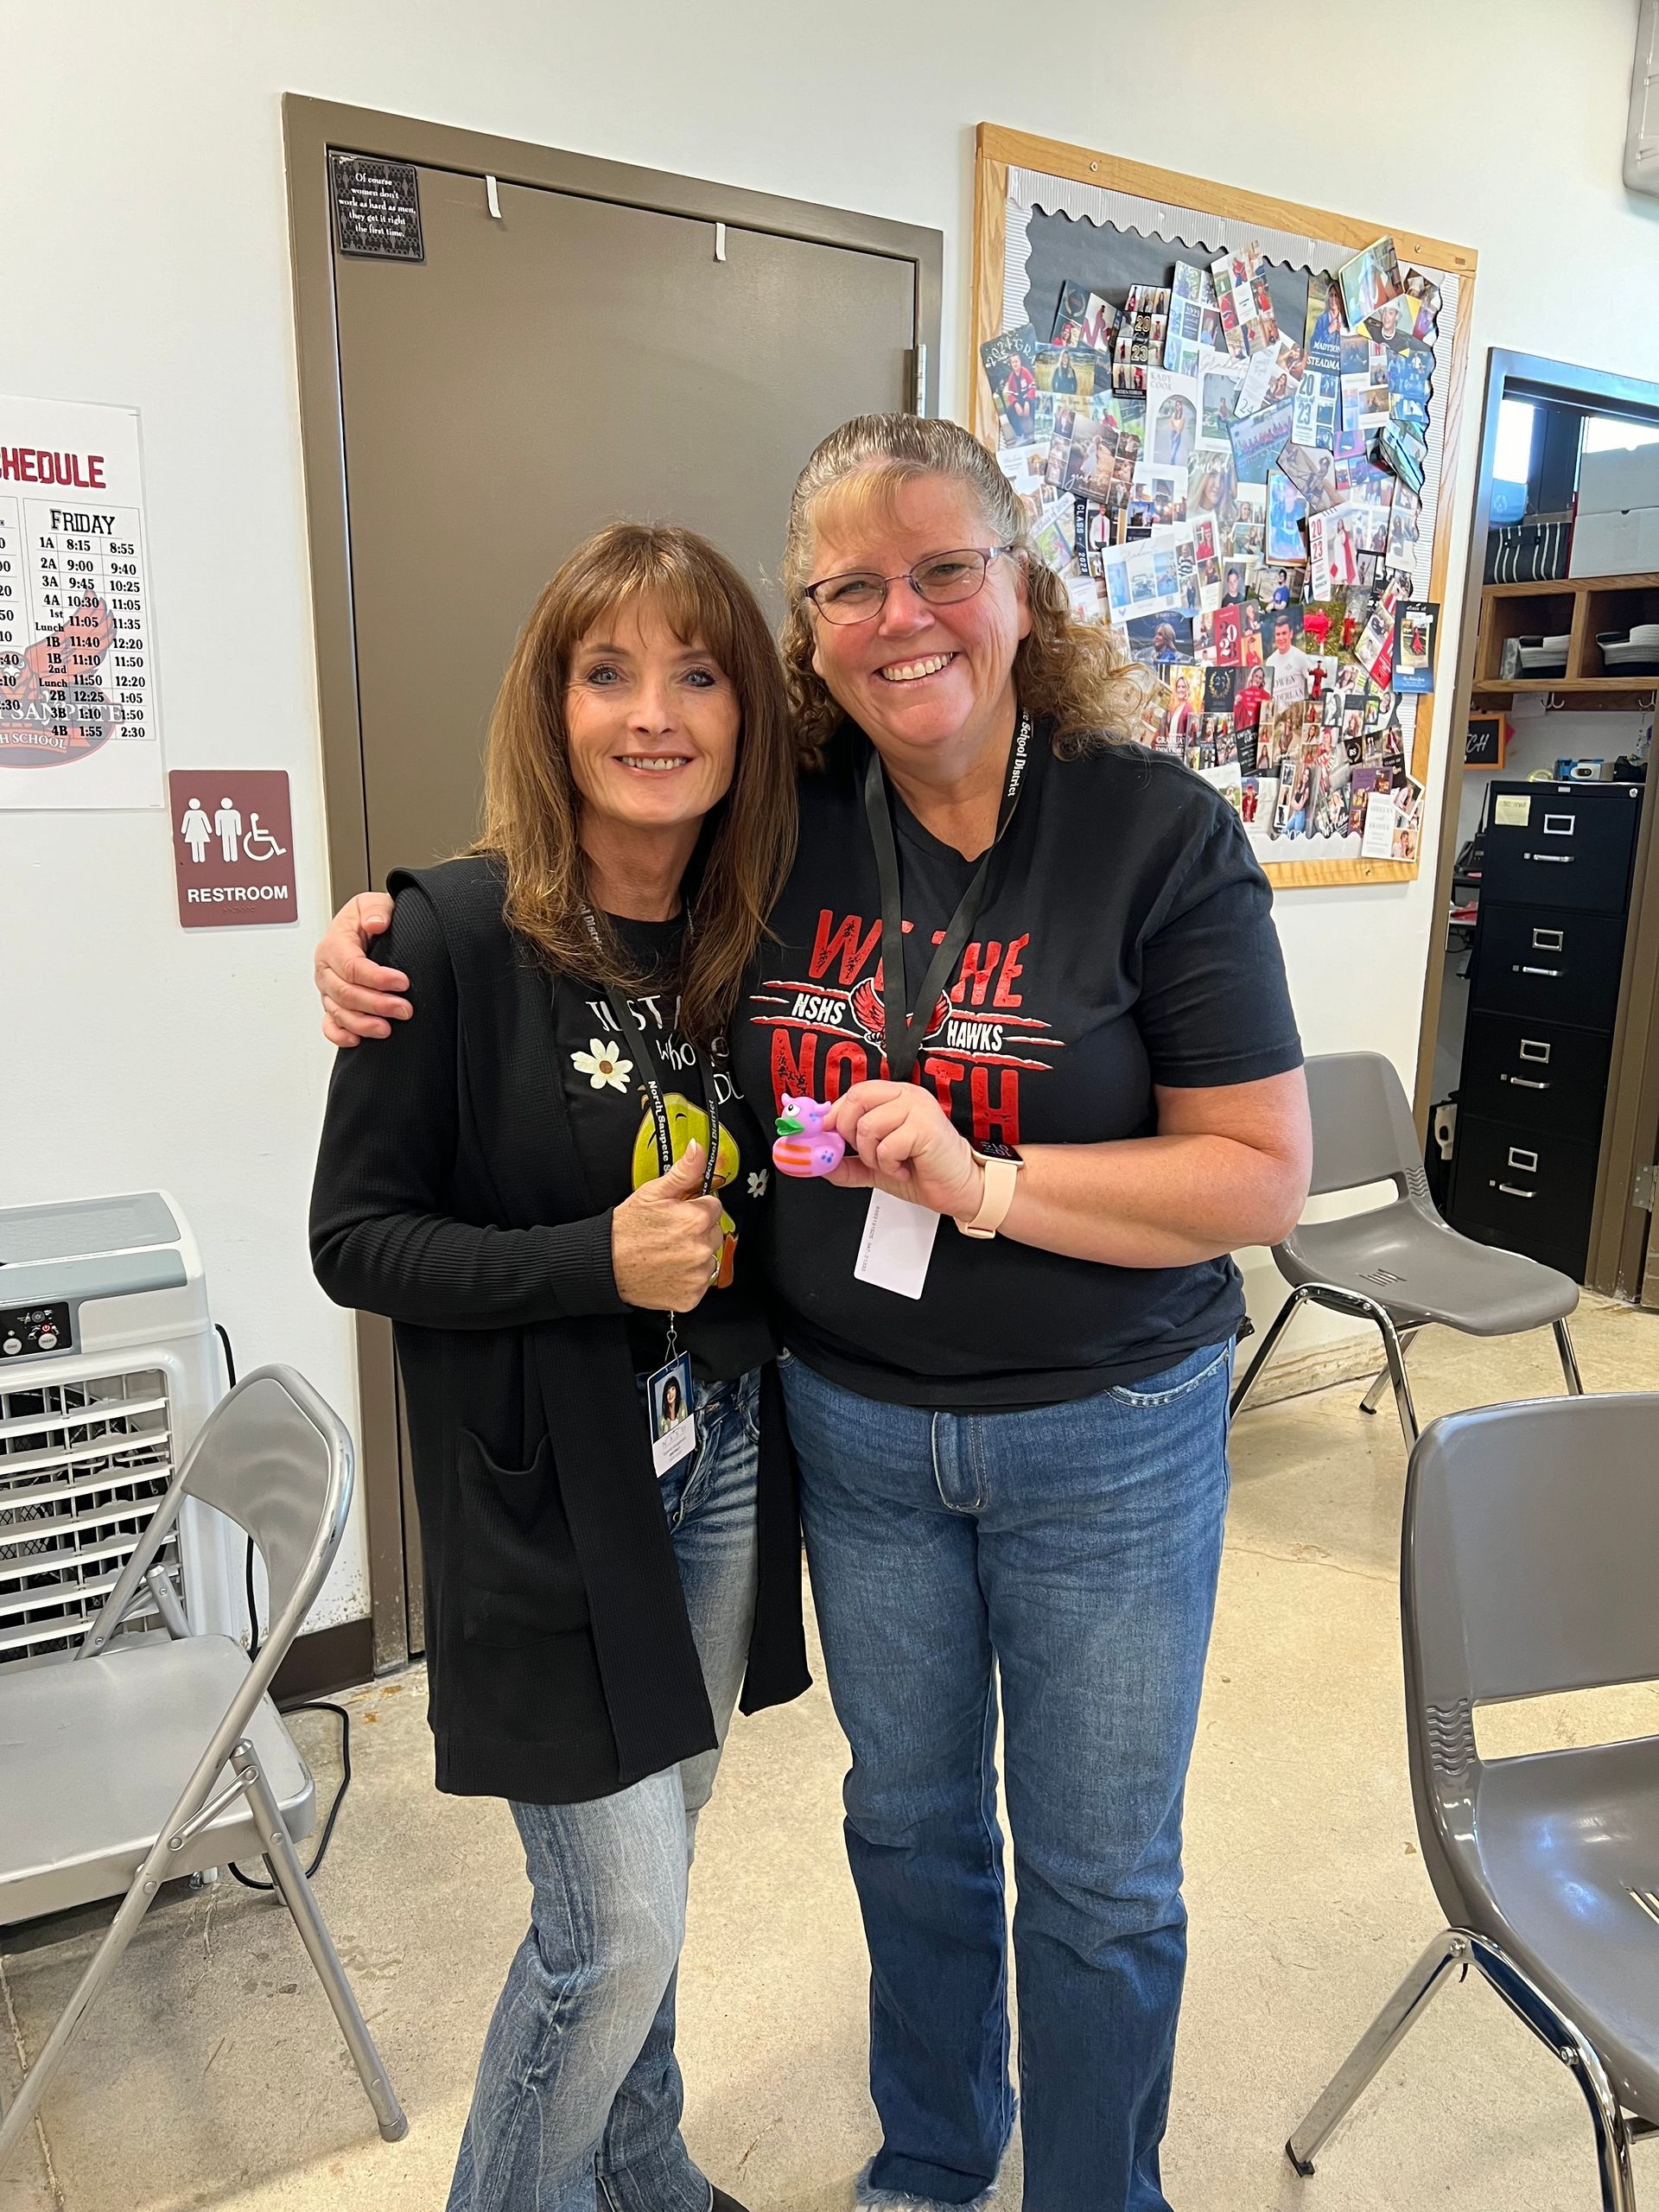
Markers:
<point>901,1140</point>
<point>357,996</point>
<point>666,1239</point>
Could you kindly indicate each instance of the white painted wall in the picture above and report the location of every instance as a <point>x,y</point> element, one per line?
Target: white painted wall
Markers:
<point>143,243</point>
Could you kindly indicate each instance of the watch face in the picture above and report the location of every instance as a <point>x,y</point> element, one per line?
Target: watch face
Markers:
<point>994,1148</point>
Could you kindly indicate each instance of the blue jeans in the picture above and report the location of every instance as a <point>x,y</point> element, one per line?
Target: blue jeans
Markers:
<point>578,2098</point>
<point>1072,1553</point>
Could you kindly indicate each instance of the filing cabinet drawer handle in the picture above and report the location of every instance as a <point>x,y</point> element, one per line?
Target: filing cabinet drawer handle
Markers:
<point>1509,1191</point>
<point>1556,859</point>
<point>1526,1083</point>
<point>1520,971</point>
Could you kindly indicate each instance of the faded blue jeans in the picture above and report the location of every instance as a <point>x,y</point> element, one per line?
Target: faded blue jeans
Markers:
<point>578,2098</point>
<point>1072,1553</point>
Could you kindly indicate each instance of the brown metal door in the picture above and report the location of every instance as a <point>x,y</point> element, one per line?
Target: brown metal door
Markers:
<point>540,373</point>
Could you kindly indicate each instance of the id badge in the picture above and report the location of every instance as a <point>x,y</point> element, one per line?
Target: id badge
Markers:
<point>673,1418</point>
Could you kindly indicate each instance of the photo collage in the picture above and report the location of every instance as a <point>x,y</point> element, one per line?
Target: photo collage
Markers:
<point>1240,504</point>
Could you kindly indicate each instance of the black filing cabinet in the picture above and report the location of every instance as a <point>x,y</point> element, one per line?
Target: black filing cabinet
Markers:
<point>1543,989</point>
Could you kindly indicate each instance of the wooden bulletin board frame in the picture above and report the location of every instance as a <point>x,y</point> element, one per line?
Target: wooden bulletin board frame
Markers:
<point>998,149</point>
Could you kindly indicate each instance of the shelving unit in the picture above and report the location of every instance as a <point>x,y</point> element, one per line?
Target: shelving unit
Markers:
<point>1581,605</point>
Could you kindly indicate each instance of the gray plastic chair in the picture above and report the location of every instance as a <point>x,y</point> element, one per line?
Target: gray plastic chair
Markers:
<point>138,1761</point>
<point>1531,1532</point>
<point>1399,1264</point>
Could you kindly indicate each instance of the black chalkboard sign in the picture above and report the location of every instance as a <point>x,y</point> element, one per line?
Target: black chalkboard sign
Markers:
<point>1485,741</point>
<point>377,208</point>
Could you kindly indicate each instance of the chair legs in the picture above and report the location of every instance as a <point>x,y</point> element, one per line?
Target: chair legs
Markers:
<point>1573,2049</point>
<point>1396,2019</point>
<point>1569,1359</point>
<point>1276,1328</point>
<point>1396,1359</point>
<point>1381,1380</point>
<point>1407,2006</point>
<point>282,1862</point>
<point>1341,1301</point>
<point>289,1875</point>
<point>119,1933</point>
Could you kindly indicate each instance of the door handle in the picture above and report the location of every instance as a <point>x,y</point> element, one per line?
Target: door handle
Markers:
<point>1526,1083</point>
<point>1510,1191</point>
<point>1520,969</point>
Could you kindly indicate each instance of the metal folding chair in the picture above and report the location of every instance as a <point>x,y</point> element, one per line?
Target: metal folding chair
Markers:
<point>1398,1264</point>
<point>139,1762</point>
<point>1530,1535</point>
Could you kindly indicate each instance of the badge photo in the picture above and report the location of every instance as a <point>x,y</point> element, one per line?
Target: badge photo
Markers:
<point>673,1418</point>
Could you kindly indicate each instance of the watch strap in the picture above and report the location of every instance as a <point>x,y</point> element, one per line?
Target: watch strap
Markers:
<point>1001,1181</point>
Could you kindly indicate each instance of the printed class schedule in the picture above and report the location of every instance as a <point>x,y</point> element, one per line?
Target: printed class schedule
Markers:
<point>79,703</point>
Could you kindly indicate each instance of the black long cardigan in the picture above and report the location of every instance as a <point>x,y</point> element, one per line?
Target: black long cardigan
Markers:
<point>450,1196</point>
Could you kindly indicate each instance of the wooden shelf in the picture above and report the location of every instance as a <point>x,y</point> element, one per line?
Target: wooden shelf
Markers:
<point>1580,606</point>
<point>1599,685</point>
<point>1570,584</point>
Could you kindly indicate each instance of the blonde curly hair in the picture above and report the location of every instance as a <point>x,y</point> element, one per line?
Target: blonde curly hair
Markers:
<point>1068,672</point>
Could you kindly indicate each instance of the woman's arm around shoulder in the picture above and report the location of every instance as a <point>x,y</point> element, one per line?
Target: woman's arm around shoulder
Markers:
<point>361,997</point>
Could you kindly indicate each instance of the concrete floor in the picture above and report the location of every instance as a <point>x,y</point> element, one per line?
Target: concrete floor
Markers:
<point>211,2073</point>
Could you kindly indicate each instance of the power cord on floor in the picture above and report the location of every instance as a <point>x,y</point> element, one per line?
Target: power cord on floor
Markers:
<point>300,1705</point>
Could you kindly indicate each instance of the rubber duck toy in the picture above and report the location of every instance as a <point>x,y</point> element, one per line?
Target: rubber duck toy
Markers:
<point>804,1147</point>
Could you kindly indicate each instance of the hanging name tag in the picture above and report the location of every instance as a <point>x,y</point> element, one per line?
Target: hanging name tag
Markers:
<point>897,1244</point>
<point>673,1422</point>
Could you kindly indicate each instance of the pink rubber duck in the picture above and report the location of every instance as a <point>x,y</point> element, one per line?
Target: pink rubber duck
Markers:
<point>804,1147</point>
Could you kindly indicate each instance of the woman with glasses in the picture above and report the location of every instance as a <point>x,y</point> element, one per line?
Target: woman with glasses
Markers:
<point>1035,968</point>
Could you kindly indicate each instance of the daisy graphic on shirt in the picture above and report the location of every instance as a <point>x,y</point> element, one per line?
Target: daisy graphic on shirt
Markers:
<point>603,1065</point>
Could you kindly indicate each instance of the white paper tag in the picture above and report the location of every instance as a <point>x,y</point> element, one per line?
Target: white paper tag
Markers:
<point>897,1244</point>
<point>1512,811</point>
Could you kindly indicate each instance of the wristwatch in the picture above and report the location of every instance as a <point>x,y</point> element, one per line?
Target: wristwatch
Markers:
<point>1001,1163</point>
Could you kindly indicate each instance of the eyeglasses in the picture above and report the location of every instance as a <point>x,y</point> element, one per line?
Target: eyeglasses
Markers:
<point>942,579</point>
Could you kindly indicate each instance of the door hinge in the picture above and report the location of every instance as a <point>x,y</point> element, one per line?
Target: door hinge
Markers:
<point>1646,1193</point>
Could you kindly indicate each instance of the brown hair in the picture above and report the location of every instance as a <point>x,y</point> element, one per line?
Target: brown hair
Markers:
<point>532,804</point>
<point>1068,670</point>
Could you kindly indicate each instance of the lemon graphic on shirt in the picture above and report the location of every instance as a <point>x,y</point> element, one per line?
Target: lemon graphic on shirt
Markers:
<point>687,1123</point>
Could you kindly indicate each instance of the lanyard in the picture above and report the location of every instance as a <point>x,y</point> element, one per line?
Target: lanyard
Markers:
<point>650,1072</point>
<point>903,1031</point>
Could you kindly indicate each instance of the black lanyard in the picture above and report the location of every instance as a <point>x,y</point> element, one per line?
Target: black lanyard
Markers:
<point>649,1070</point>
<point>903,1032</point>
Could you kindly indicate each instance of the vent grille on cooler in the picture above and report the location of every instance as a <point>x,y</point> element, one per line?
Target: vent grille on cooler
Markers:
<point>83,1466</point>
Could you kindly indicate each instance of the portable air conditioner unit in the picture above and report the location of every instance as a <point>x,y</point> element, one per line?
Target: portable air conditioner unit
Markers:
<point>108,1365</point>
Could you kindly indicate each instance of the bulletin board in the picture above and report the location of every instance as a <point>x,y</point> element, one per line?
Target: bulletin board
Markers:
<point>1056,226</point>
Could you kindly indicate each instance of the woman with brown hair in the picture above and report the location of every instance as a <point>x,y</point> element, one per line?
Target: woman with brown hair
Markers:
<point>1035,969</point>
<point>548,1183</point>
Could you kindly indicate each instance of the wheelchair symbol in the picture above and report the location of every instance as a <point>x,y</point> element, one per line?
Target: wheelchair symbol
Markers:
<point>259,845</point>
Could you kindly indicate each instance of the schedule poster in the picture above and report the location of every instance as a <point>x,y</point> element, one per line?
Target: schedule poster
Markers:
<point>79,725</point>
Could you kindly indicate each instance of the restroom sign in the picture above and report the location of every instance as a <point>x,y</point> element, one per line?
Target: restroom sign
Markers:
<point>233,847</point>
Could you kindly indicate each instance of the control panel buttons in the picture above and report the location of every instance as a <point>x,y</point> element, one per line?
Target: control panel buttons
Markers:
<point>27,1331</point>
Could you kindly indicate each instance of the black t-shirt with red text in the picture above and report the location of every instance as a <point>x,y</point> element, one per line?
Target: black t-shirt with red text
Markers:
<point>1126,939</point>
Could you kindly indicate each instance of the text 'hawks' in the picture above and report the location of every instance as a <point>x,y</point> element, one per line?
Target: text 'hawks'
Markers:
<point>829,1026</point>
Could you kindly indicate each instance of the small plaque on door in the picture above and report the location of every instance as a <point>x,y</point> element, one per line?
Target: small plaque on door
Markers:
<point>377,208</point>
